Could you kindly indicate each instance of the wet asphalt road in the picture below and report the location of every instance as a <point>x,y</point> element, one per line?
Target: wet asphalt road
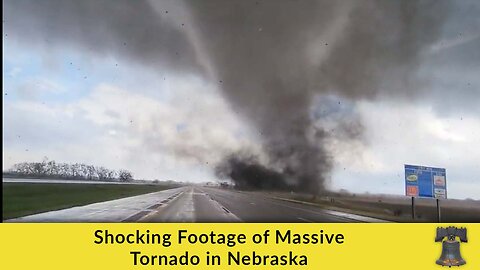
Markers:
<point>195,204</point>
<point>202,204</point>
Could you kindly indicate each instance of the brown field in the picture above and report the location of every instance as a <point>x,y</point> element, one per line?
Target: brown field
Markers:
<point>394,208</point>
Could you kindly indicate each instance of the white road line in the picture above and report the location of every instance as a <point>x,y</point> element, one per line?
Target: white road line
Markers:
<point>336,214</point>
<point>224,210</point>
<point>155,211</point>
<point>304,219</point>
<point>187,212</point>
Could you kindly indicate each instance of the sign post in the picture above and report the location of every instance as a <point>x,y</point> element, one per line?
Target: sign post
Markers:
<point>413,208</point>
<point>439,216</point>
<point>425,182</point>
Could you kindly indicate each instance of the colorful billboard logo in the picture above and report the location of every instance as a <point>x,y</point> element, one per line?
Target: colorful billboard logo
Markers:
<point>412,178</point>
<point>439,180</point>
<point>412,191</point>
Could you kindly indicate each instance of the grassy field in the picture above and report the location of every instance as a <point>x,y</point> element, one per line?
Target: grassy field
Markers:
<point>21,199</point>
<point>394,208</point>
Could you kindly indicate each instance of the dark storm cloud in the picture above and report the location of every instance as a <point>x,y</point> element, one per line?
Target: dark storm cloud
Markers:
<point>453,64</point>
<point>123,28</point>
<point>271,59</point>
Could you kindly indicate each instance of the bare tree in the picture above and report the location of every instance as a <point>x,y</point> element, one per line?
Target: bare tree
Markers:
<point>68,171</point>
<point>125,176</point>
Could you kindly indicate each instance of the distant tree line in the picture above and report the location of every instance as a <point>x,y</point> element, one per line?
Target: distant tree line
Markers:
<point>51,169</point>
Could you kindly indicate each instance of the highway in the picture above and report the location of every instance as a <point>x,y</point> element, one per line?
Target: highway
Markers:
<point>196,204</point>
<point>202,204</point>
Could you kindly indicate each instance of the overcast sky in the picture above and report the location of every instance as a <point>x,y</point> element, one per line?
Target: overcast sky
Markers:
<point>78,97</point>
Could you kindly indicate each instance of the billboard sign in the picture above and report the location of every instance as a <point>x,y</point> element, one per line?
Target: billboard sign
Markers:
<point>428,182</point>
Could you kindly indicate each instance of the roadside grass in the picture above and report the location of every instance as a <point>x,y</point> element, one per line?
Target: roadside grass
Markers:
<point>392,209</point>
<point>21,199</point>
